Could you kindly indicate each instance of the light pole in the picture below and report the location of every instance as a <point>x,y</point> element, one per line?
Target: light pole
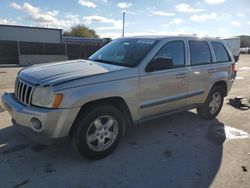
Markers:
<point>123,22</point>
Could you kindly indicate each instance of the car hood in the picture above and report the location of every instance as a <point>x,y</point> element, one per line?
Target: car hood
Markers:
<point>56,73</point>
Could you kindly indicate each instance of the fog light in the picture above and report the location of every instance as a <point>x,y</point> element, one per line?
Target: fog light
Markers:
<point>36,124</point>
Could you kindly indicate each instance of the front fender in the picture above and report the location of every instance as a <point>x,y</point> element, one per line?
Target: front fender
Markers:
<point>127,89</point>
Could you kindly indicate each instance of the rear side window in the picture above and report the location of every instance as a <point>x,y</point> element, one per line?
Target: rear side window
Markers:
<point>200,52</point>
<point>174,50</point>
<point>220,52</point>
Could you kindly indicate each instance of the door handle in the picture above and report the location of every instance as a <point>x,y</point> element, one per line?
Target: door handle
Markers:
<point>211,70</point>
<point>181,75</point>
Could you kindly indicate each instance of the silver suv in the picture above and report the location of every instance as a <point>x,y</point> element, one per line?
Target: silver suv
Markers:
<point>128,81</point>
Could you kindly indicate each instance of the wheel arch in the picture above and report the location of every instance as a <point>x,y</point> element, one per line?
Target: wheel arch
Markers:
<point>223,85</point>
<point>220,83</point>
<point>115,101</point>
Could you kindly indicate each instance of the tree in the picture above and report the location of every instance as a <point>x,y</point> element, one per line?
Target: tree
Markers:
<point>81,31</point>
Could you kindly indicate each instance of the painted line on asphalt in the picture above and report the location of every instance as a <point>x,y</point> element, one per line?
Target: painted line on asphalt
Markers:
<point>244,68</point>
<point>233,133</point>
<point>239,78</point>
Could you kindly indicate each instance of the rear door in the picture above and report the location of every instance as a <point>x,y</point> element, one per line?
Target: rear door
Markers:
<point>165,90</point>
<point>223,60</point>
<point>201,68</point>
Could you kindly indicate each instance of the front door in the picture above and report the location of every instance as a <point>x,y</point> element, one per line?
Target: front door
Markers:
<point>165,90</point>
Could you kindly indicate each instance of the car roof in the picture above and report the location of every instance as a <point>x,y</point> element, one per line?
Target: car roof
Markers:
<point>160,37</point>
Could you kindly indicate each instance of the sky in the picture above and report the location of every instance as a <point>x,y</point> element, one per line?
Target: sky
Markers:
<point>143,17</point>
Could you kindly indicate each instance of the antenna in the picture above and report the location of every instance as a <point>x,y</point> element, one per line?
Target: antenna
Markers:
<point>123,22</point>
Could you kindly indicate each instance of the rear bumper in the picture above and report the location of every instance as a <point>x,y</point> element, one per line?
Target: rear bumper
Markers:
<point>55,123</point>
<point>229,85</point>
<point>231,81</point>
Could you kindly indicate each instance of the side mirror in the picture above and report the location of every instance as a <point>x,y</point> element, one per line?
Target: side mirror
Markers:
<point>159,63</point>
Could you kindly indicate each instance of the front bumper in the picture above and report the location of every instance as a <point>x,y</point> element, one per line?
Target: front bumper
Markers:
<point>36,136</point>
<point>56,123</point>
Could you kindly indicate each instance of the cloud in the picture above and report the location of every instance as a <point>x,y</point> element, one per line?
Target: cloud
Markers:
<point>202,33</point>
<point>240,15</point>
<point>7,22</point>
<point>176,21</point>
<point>132,23</point>
<point>124,5</point>
<point>115,24</point>
<point>128,12</point>
<point>162,13</point>
<point>96,18</point>
<point>35,14</point>
<point>46,18</point>
<point>143,33</point>
<point>109,28</point>
<point>187,8</point>
<point>222,29</point>
<point>40,16</point>
<point>156,12</point>
<point>69,20</point>
<point>215,1</point>
<point>87,3</point>
<point>103,1</point>
<point>223,32</point>
<point>203,17</point>
<point>235,23</point>
<point>15,6</point>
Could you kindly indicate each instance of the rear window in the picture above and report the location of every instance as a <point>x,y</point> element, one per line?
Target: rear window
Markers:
<point>200,52</point>
<point>220,52</point>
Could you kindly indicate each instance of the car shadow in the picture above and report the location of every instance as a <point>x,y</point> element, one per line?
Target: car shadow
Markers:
<point>1,109</point>
<point>179,150</point>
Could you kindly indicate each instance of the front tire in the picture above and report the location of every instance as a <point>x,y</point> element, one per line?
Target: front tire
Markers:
<point>97,133</point>
<point>213,104</point>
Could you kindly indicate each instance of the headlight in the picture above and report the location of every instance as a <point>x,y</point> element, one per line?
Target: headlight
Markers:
<point>45,97</point>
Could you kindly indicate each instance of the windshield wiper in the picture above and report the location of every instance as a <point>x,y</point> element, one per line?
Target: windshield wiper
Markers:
<point>102,61</point>
<point>109,62</point>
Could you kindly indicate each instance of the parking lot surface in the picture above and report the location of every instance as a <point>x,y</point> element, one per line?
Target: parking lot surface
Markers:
<point>180,150</point>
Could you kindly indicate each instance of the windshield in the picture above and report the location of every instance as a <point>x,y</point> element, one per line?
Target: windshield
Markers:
<point>124,52</point>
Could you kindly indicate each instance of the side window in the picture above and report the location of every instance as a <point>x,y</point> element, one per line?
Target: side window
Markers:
<point>220,52</point>
<point>199,52</point>
<point>174,50</point>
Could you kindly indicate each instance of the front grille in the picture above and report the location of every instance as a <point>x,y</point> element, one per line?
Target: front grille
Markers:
<point>23,91</point>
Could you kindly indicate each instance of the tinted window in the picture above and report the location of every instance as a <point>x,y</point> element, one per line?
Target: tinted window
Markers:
<point>124,52</point>
<point>200,52</point>
<point>220,52</point>
<point>174,50</point>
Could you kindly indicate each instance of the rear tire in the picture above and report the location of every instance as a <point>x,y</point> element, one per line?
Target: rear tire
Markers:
<point>213,104</point>
<point>97,133</point>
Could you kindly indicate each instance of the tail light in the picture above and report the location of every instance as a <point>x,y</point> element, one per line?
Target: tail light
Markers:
<point>233,67</point>
<point>234,71</point>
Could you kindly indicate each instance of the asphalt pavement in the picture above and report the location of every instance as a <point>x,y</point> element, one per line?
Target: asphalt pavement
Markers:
<point>180,150</point>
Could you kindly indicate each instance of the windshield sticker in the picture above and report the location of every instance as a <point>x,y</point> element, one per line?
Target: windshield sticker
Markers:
<point>146,41</point>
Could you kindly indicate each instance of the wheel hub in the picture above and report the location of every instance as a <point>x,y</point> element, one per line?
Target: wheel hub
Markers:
<point>102,133</point>
<point>215,103</point>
